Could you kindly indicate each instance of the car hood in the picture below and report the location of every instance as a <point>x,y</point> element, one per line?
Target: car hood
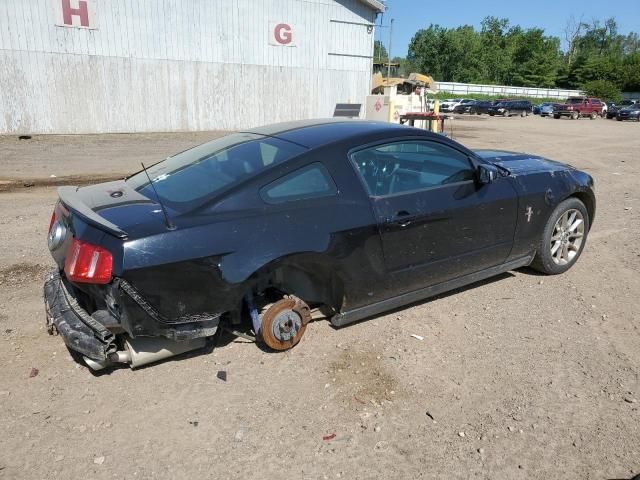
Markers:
<point>521,163</point>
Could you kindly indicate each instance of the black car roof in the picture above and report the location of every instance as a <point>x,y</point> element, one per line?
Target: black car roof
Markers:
<point>319,132</point>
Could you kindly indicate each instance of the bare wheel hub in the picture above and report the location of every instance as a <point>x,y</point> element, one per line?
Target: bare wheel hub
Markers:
<point>284,322</point>
<point>286,325</point>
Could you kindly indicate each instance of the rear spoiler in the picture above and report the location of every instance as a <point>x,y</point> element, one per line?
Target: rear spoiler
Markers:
<point>69,196</point>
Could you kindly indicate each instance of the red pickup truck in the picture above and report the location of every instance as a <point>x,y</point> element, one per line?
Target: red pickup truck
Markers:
<point>576,107</point>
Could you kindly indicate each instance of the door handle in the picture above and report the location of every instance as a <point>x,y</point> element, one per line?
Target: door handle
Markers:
<point>402,219</point>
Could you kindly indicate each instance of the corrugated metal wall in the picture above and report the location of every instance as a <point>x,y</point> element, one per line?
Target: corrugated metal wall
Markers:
<point>176,65</point>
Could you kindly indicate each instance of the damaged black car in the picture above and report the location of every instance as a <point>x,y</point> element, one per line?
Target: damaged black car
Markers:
<point>260,231</point>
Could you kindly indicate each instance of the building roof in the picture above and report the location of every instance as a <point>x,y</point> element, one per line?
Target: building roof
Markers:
<point>374,4</point>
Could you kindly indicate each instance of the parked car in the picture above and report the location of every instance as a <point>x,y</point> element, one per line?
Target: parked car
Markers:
<point>612,111</point>
<point>576,107</point>
<point>447,106</point>
<point>465,106</point>
<point>544,109</point>
<point>631,112</point>
<point>242,233</point>
<point>480,107</point>
<point>510,108</point>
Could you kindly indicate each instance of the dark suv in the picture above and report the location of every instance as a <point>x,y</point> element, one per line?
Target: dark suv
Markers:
<point>511,107</point>
<point>612,111</point>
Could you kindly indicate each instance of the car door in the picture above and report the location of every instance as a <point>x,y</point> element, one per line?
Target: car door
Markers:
<point>435,220</point>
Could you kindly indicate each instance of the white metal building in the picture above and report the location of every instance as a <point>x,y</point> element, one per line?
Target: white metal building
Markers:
<point>94,66</point>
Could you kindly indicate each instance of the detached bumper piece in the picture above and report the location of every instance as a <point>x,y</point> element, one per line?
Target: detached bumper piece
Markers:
<point>78,329</point>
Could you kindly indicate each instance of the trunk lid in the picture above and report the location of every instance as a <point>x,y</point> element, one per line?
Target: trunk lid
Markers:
<point>115,208</point>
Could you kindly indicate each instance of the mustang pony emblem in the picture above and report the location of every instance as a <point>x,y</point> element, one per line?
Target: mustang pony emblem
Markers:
<point>528,214</point>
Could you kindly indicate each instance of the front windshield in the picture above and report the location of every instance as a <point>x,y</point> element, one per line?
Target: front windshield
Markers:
<point>188,179</point>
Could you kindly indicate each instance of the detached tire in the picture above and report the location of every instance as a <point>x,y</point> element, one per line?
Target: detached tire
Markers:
<point>563,238</point>
<point>284,323</point>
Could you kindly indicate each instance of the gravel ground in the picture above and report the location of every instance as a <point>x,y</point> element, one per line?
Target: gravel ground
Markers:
<point>519,377</point>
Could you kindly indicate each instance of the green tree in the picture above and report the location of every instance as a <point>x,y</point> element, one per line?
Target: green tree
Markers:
<point>597,56</point>
<point>379,52</point>
<point>631,73</point>
<point>495,49</point>
<point>535,59</point>
<point>603,89</point>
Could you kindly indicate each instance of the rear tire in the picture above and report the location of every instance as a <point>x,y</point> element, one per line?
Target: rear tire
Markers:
<point>593,115</point>
<point>523,114</point>
<point>575,116</point>
<point>506,113</point>
<point>556,116</point>
<point>563,238</point>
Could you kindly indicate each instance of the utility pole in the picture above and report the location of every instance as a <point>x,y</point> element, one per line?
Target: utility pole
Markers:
<point>389,51</point>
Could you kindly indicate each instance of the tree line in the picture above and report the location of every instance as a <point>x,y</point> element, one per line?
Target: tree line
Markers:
<point>598,59</point>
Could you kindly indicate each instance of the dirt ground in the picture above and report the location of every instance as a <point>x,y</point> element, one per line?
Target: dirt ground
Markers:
<point>520,377</point>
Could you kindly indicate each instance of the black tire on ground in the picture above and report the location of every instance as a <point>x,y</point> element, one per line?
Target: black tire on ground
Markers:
<point>593,115</point>
<point>556,116</point>
<point>543,261</point>
<point>575,116</point>
<point>506,113</point>
<point>618,119</point>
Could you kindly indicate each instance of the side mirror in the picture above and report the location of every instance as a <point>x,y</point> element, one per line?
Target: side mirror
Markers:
<point>487,173</point>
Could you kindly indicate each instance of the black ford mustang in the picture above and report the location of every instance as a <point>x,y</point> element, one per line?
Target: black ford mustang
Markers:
<point>255,230</point>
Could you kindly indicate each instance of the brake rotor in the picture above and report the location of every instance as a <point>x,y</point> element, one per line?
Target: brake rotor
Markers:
<point>284,323</point>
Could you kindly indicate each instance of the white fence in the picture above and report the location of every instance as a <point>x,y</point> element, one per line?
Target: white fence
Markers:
<point>470,88</point>
<point>631,95</point>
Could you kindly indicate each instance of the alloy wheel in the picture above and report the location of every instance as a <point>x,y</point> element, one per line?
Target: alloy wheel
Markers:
<point>567,237</point>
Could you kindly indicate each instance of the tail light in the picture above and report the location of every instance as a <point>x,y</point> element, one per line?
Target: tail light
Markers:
<point>88,263</point>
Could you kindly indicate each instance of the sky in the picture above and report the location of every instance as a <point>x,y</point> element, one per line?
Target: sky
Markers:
<point>551,15</point>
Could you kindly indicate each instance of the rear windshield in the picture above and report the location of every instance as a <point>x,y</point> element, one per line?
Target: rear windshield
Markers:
<point>188,179</point>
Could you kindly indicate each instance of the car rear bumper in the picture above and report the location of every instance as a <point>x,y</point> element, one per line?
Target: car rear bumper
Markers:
<point>64,315</point>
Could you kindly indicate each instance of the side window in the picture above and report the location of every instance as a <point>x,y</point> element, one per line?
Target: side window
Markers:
<point>311,181</point>
<point>409,166</point>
